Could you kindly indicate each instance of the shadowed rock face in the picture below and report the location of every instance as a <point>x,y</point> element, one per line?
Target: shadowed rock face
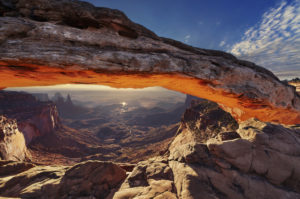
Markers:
<point>34,118</point>
<point>90,179</point>
<point>49,42</point>
<point>206,119</point>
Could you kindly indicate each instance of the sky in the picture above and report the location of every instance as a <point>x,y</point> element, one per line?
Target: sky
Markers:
<point>266,32</point>
<point>84,87</point>
<point>95,95</point>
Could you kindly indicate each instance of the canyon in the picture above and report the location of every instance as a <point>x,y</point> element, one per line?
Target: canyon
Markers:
<point>59,132</point>
<point>211,156</point>
<point>242,143</point>
<point>34,118</point>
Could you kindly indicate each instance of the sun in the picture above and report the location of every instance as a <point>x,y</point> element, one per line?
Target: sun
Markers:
<point>124,104</point>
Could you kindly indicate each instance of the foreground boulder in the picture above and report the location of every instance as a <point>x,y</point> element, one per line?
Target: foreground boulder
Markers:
<point>91,179</point>
<point>12,142</point>
<point>253,160</point>
<point>261,163</point>
<point>62,41</point>
<point>149,179</point>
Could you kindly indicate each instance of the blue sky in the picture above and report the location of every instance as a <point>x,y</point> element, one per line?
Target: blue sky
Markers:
<point>266,32</point>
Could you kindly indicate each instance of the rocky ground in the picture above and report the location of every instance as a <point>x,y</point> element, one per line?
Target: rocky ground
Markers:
<point>91,178</point>
<point>211,157</point>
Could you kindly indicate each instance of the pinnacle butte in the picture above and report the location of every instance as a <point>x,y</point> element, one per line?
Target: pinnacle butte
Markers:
<point>55,42</point>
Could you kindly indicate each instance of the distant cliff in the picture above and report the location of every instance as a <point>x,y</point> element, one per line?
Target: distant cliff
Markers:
<point>66,107</point>
<point>41,96</point>
<point>35,118</point>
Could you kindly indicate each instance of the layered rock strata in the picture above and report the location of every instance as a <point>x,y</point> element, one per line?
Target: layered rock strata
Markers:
<point>91,179</point>
<point>50,42</point>
<point>34,118</point>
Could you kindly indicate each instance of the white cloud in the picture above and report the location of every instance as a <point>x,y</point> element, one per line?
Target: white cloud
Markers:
<point>222,43</point>
<point>275,41</point>
<point>187,38</point>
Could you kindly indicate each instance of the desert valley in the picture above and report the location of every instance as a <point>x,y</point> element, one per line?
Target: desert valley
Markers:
<point>64,132</point>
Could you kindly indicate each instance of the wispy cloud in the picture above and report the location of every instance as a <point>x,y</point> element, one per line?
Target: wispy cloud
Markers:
<point>275,41</point>
<point>288,74</point>
<point>187,38</point>
<point>222,43</point>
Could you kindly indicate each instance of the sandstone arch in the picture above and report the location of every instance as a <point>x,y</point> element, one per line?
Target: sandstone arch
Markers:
<point>43,43</point>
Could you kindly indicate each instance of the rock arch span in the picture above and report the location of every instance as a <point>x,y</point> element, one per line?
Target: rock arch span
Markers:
<point>44,43</point>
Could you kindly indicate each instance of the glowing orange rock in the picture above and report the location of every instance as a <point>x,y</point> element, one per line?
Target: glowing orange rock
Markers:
<point>74,42</point>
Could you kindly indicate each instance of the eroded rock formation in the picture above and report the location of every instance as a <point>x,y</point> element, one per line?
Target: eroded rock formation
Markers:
<point>12,142</point>
<point>49,42</point>
<point>207,159</point>
<point>149,179</point>
<point>92,179</point>
<point>34,118</point>
<point>254,160</point>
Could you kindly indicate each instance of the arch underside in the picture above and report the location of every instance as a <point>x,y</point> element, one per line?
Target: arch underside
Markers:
<point>56,42</point>
<point>241,107</point>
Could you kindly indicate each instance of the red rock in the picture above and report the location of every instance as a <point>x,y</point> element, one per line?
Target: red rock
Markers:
<point>34,118</point>
<point>56,42</point>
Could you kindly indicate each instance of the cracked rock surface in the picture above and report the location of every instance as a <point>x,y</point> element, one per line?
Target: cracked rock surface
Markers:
<point>90,179</point>
<point>254,160</point>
